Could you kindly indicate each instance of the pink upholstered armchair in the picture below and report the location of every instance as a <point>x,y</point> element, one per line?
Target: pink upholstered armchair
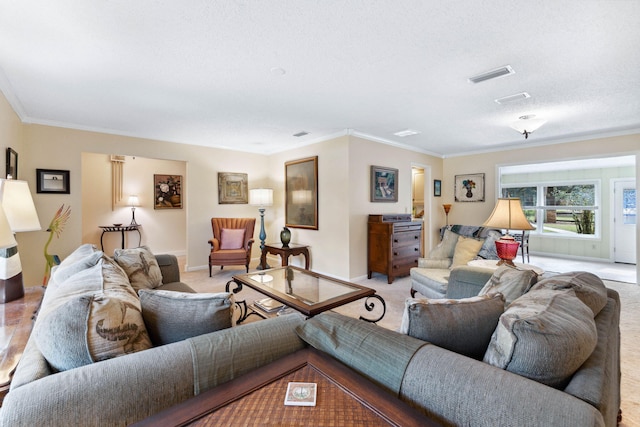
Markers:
<point>232,241</point>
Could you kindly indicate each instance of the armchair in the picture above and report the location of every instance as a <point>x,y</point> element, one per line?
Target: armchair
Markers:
<point>232,242</point>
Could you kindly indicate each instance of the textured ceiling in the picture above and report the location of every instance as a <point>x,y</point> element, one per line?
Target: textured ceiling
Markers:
<point>247,75</point>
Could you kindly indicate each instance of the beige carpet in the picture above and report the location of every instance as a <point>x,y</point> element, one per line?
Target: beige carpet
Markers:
<point>396,293</point>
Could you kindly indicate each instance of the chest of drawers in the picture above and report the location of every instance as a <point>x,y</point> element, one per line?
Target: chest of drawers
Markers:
<point>393,246</point>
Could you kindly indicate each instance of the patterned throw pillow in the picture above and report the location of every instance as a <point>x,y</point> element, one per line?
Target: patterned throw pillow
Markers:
<point>96,325</point>
<point>545,335</point>
<point>488,249</point>
<point>232,238</point>
<point>174,316</point>
<point>511,282</point>
<point>464,326</point>
<point>141,267</point>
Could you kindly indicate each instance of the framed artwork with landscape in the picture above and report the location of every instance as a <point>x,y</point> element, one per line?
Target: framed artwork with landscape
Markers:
<point>469,188</point>
<point>168,191</point>
<point>384,184</point>
<point>52,181</point>
<point>301,193</point>
<point>232,188</point>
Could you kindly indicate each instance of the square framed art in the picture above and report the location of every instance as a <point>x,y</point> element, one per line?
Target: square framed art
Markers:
<point>168,191</point>
<point>469,188</point>
<point>232,188</point>
<point>384,184</point>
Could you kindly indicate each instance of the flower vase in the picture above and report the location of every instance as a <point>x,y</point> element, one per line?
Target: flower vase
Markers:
<point>285,237</point>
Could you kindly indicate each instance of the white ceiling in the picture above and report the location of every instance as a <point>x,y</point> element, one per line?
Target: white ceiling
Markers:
<point>210,72</point>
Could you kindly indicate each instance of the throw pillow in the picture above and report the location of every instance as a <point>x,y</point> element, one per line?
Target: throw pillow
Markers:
<point>588,287</point>
<point>141,267</point>
<point>174,316</point>
<point>83,257</point>
<point>545,335</point>
<point>464,326</point>
<point>466,249</point>
<point>511,282</point>
<point>445,248</point>
<point>232,238</point>
<point>93,326</point>
<point>488,249</point>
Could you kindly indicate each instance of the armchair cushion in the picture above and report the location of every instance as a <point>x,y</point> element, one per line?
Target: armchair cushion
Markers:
<point>464,326</point>
<point>232,238</point>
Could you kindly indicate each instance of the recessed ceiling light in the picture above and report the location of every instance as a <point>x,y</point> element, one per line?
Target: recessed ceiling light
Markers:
<point>492,74</point>
<point>406,132</point>
<point>299,134</point>
<point>511,98</point>
<point>278,71</point>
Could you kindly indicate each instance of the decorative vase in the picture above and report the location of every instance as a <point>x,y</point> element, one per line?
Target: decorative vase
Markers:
<point>469,193</point>
<point>285,237</point>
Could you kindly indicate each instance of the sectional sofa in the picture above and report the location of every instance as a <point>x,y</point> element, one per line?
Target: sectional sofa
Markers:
<point>62,384</point>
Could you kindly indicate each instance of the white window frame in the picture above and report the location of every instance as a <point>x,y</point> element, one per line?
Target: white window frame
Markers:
<point>540,206</point>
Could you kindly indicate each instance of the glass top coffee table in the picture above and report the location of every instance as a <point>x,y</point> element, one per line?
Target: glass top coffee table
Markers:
<point>301,290</point>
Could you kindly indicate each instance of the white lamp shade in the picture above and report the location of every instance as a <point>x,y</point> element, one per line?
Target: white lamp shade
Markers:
<point>301,197</point>
<point>18,206</point>
<point>261,197</point>
<point>133,201</point>
<point>7,240</point>
<point>508,214</point>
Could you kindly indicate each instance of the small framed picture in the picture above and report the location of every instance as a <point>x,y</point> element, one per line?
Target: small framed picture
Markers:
<point>52,181</point>
<point>12,164</point>
<point>384,184</point>
<point>469,188</point>
<point>232,188</point>
<point>168,191</point>
<point>437,187</point>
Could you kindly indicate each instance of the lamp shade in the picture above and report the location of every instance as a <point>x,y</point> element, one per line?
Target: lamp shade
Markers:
<point>261,197</point>
<point>7,240</point>
<point>18,205</point>
<point>133,201</point>
<point>508,214</point>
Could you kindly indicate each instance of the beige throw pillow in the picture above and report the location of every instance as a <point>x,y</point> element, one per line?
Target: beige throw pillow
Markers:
<point>466,249</point>
<point>446,247</point>
<point>141,266</point>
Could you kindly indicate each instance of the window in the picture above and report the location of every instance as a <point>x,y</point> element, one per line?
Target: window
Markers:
<point>563,209</point>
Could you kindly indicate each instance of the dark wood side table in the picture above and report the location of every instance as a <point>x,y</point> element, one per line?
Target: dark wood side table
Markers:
<point>16,319</point>
<point>344,398</point>
<point>121,229</point>
<point>285,253</point>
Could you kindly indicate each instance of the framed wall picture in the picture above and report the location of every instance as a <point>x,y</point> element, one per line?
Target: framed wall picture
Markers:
<point>437,187</point>
<point>12,164</point>
<point>469,188</point>
<point>384,184</point>
<point>168,191</point>
<point>232,188</point>
<point>301,193</point>
<point>52,181</point>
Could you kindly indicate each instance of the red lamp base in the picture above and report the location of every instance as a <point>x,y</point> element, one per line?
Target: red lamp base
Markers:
<point>507,248</point>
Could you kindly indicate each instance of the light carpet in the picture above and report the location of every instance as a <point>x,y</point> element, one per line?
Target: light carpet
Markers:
<point>396,293</point>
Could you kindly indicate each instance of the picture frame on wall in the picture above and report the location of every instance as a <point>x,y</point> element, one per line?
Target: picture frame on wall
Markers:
<point>12,164</point>
<point>469,188</point>
<point>233,188</point>
<point>301,193</point>
<point>437,188</point>
<point>167,191</point>
<point>384,184</point>
<point>52,181</point>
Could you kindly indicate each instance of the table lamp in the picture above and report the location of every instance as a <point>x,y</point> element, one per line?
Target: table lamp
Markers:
<point>508,214</point>
<point>21,215</point>
<point>133,202</point>
<point>261,197</point>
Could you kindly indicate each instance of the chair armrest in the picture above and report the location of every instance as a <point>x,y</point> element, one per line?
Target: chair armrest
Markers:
<point>465,281</point>
<point>215,244</point>
<point>249,244</point>
<point>169,268</point>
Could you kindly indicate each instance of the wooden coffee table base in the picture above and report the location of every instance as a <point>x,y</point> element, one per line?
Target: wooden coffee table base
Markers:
<point>344,398</point>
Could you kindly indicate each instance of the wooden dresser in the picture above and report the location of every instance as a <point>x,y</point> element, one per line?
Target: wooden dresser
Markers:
<point>393,245</point>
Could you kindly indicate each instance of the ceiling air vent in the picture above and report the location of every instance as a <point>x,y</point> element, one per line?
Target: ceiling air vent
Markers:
<point>299,134</point>
<point>511,98</point>
<point>498,72</point>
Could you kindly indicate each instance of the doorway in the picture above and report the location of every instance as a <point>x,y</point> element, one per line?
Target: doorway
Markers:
<point>625,221</point>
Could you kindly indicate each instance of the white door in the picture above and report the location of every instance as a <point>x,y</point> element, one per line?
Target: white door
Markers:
<point>625,217</point>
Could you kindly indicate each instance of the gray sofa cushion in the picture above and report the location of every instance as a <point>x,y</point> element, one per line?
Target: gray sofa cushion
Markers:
<point>544,335</point>
<point>464,326</point>
<point>174,316</point>
<point>363,346</point>
<point>511,282</point>
<point>588,287</point>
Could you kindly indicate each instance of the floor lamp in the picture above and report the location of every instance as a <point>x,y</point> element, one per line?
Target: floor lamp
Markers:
<point>261,197</point>
<point>508,214</point>
<point>21,215</point>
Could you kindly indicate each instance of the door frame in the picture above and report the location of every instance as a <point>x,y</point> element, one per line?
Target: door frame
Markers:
<point>612,216</point>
